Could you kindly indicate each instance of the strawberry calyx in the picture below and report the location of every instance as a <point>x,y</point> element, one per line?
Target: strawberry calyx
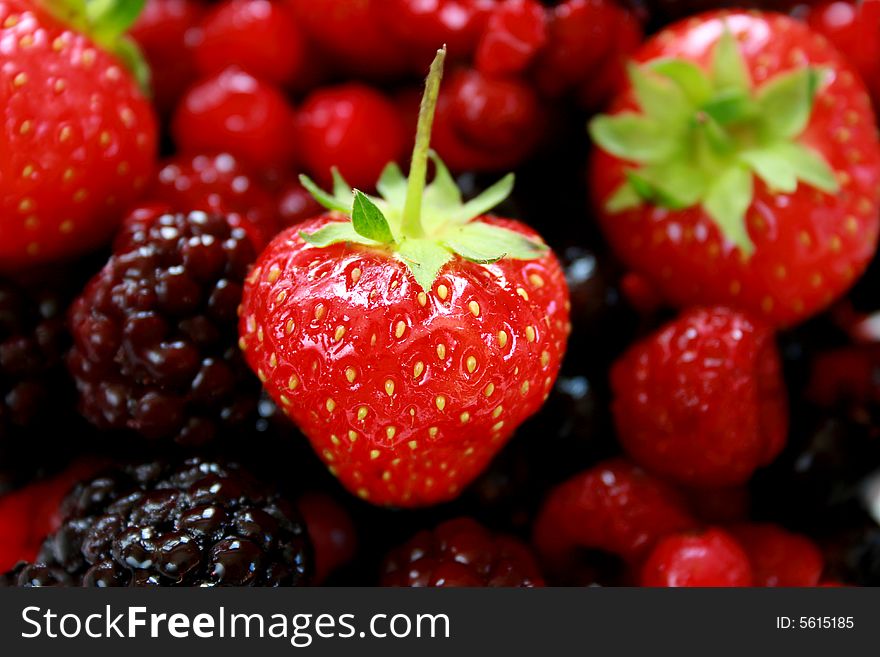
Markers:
<point>424,225</point>
<point>106,23</point>
<point>702,136</point>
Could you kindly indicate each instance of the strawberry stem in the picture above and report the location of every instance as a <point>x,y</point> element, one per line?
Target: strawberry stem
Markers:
<point>418,171</point>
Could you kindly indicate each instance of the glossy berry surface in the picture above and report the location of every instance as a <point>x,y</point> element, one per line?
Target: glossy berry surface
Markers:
<point>235,112</point>
<point>405,393</point>
<point>460,552</point>
<point>337,126</point>
<point>708,558</point>
<point>779,557</point>
<point>154,332</point>
<point>221,184</point>
<point>195,523</point>
<point>78,137</point>
<point>614,507</point>
<point>259,36</point>
<point>515,32</point>
<point>702,401</point>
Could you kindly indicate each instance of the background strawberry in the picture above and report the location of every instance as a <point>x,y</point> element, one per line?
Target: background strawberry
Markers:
<point>745,170</point>
<point>409,342</point>
<point>78,135</point>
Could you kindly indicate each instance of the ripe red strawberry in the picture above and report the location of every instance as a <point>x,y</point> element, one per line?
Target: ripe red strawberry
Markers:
<point>515,32</point>
<point>708,558</point>
<point>741,166</point>
<point>78,136</point>
<point>702,401</point>
<point>409,342</point>
<point>614,507</point>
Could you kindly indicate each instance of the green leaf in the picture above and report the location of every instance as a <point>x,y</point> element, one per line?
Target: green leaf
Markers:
<point>729,70</point>
<point>109,19</point>
<point>487,243</point>
<point>771,167</point>
<point>337,231</point>
<point>809,166</point>
<point>133,59</point>
<point>341,189</point>
<point>712,140</point>
<point>443,193</point>
<point>731,106</point>
<point>689,77</point>
<point>786,102</point>
<point>623,198</point>
<point>727,200</point>
<point>322,197</point>
<point>660,98</point>
<point>392,185</point>
<point>484,201</point>
<point>368,220</point>
<point>424,258</point>
<point>633,137</point>
<point>674,185</point>
<point>70,12</point>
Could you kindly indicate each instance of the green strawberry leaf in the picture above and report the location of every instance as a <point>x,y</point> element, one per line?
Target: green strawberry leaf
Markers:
<point>634,137</point>
<point>332,233</point>
<point>660,98</point>
<point>442,195</point>
<point>110,19</point>
<point>731,106</point>
<point>729,70</point>
<point>368,220</point>
<point>424,258</point>
<point>392,185</point>
<point>689,77</point>
<point>726,201</point>
<point>487,243</point>
<point>809,166</point>
<point>676,185</point>
<point>625,197</point>
<point>133,59</point>
<point>771,167</point>
<point>785,102</point>
<point>484,201</point>
<point>341,189</point>
<point>330,202</point>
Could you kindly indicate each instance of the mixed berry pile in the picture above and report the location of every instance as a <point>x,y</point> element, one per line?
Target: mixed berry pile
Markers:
<point>274,311</point>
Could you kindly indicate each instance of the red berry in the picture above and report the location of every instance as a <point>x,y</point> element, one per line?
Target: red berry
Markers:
<point>779,557</point>
<point>78,137</point>
<point>354,35</point>
<point>423,26</point>
<point>460,552</point>
<point>779,223</point>
<point>515,32</point>
<point>259,36</point>
<point>331,530</point>
<point>708,558</point>
<point>582,37</point>
<point>719,505</point>
<point>166,32</point>
<point>487,124</point>
<point>220,184</point>
<point>609,78</point>
<point>614,507</point>
<point>236,113</point>
<point>295,204</point>
<point>702,401</point>
<point>852,27</point>
<point>352,127</point>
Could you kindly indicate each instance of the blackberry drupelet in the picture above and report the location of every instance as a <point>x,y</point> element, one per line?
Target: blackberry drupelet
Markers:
<point>155,334</point>
<point>195,523</point>
<point>461,552</point>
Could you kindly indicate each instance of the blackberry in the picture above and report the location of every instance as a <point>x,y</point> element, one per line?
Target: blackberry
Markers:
<point>155,332</point>
<point>33,340</point>
<point>195,523</point>
<point>461,552</point>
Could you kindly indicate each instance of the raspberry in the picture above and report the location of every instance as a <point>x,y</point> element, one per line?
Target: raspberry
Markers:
<point>708,558</point>
<point>614,507</point>
<point>460,552</point>
<point>702,401</point>
<point>196,523</point>
<point>155,340</point>
<point>779,557</point>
